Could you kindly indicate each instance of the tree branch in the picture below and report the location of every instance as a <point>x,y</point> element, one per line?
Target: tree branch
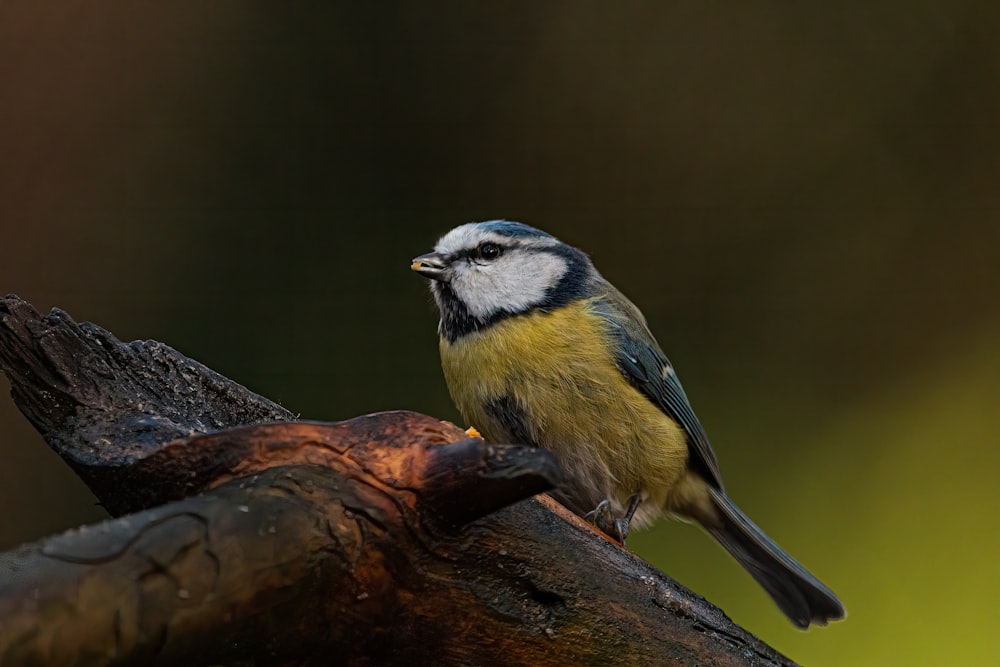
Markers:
<point>387,539</point>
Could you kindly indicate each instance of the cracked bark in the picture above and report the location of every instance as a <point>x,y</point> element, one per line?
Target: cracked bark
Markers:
<point>247,538</point>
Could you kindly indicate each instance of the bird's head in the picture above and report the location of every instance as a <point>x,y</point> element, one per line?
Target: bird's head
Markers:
<point>482,272</point>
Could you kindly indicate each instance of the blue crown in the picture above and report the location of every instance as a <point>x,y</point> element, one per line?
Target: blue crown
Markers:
<point>514,229</point>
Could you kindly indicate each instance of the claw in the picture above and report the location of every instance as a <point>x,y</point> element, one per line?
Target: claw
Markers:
<point>621,529</point>
<point>603,509</point>
<point>601,517</point>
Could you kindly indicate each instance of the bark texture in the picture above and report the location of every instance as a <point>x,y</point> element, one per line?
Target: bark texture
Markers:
<point>246,538</point>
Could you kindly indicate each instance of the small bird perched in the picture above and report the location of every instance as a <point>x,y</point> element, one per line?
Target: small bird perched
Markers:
<point>538,348</point>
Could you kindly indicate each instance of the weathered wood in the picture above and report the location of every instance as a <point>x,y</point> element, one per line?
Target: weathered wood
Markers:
<point>373,541</point>
<point>103,404</point>
<point>280,562</point>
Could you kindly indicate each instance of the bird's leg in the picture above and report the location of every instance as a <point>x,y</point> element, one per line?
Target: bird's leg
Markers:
<point>601,517</point>
<point>621,525</point>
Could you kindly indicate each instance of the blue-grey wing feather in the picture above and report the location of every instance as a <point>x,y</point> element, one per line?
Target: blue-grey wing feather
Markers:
<point>647,368</point>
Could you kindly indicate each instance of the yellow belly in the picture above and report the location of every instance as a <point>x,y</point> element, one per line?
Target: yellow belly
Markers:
<point>613,442</point>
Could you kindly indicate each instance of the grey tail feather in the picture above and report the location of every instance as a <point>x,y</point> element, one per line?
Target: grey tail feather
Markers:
<point>800,595</point>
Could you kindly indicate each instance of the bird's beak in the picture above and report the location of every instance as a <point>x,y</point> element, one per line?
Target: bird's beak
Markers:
<point>433,265</point>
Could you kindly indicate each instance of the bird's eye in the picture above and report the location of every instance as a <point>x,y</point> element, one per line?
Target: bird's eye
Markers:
<point>489,251</point>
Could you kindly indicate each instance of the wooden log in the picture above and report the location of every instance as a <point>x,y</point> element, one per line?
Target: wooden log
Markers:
<point>387,539</point>
<point>101,403</point>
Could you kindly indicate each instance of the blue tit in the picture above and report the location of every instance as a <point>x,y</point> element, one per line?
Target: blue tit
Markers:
<point>538,348</point>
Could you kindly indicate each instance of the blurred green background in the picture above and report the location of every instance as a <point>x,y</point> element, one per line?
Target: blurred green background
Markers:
<point>803,198</point>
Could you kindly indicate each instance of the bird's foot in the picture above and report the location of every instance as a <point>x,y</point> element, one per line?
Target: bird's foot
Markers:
<point>605,521</point>
<point>601,516</point>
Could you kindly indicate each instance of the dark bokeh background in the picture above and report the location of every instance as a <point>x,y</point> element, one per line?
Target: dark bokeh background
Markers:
<point>803,198</point>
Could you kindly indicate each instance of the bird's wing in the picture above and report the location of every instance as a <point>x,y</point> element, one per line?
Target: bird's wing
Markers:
<point>647,368</point>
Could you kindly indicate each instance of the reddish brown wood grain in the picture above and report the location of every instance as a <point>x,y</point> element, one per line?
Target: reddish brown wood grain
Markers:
<point>389,539</point>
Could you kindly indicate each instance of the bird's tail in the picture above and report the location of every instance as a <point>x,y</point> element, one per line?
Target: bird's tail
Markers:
<point>803,597</point>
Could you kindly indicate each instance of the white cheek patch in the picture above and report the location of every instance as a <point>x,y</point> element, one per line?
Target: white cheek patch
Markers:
<point>514,282</point>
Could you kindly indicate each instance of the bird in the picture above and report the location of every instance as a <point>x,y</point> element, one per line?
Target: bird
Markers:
<point>538,348</point>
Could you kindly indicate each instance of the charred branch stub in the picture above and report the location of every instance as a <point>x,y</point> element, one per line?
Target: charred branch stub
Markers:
<point>389,539</point>
<point>501,472</point>
<point>101,403</point>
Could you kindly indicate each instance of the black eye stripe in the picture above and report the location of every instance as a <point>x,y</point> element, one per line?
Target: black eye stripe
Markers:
<point>487,250</point>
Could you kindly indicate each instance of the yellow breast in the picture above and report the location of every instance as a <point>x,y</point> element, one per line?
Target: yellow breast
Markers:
<point>559,369</point>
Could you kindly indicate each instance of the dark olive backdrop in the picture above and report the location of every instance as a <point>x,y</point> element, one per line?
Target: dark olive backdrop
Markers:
<point>802,197</point>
